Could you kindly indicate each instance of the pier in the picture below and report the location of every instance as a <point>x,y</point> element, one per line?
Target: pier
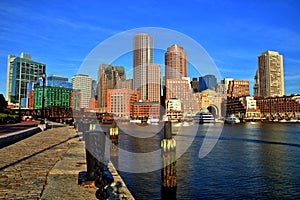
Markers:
<point>47,165</point>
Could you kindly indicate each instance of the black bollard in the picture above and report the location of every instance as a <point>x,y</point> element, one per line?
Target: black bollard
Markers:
<point>95,160</point>
<point>114,143</point>
<point>168,130</point>
<point>168,172</point>
<point>95,150</point>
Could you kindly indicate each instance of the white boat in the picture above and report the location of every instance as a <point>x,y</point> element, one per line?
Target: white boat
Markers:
<point>283,120</point>
<point>136,121</point>
<point>153,120</point>
<point>232,120</point>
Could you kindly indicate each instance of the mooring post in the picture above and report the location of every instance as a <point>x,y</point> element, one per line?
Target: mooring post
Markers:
<point>168,172</point>
<point>114,143</point>
<point>96,163</point>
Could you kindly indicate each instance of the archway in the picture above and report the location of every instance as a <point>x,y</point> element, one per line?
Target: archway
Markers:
<point>213,110</point>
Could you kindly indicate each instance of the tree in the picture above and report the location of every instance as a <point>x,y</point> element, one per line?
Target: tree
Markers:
<point>3,103</point>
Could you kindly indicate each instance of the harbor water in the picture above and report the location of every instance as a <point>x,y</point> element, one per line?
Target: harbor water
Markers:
<point>249,160</point>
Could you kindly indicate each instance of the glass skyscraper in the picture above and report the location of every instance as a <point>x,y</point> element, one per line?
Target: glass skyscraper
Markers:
<point>20,71</point>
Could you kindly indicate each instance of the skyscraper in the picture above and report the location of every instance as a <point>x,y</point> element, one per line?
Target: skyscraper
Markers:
<point>175,62</point>
<point>20,71</point>
<point>83,83</point>
<point>142,57</point>
<point>269,79</point>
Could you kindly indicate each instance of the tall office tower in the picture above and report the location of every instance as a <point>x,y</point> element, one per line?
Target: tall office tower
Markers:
<point>175,62</point>
<point>109,77</point>
<point>270,75</point>
<point>153,84</point>
<point>207,82</point>
<point>20,71</point>
<point>142,57</point>
<point>83,83</point>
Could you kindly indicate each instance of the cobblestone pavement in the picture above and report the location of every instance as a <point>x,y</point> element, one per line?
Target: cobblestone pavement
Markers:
<point>25,165</point>
<point>47,165</point>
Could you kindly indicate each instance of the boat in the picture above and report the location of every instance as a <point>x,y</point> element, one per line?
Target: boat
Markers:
<point>153,120</point>
<point>135,121</point>
<point>293,120</point>
<point>204,117</point>
<point>232,119</point>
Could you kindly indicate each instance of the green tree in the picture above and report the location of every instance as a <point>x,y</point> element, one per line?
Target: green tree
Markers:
<point>3,103</point>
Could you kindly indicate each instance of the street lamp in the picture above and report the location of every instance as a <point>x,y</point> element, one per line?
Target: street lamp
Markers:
<point>43,99</point>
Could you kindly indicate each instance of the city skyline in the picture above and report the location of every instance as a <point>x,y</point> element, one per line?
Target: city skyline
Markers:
<point>233,35</point>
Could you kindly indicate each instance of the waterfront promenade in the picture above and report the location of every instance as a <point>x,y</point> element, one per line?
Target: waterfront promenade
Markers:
<point>46,166</point>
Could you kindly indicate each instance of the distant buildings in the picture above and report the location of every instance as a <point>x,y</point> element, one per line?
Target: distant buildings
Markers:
<point>54,80</point>
<point>238,88</point>
<point>121,101</point>
<point>287,106</point>
<point>175,62</point>
<point>146,109</point>
<point>211,100</point>
<point>83,83</point>
<point>207,82</point>
<point>20,71</point>
<point>180,89</point>
<point>269,78</point>
<point>153,82</point>
<point>54,96</point>
<point>195,85</point>
<point>109,77</point>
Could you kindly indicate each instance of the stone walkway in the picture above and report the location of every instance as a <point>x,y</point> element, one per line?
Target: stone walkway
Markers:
<point>47,165</point>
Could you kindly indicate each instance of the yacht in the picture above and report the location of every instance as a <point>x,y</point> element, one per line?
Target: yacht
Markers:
<point>232,119</point>
<point>153,120</point>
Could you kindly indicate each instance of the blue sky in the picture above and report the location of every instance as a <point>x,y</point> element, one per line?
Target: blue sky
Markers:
<point>61,34</point>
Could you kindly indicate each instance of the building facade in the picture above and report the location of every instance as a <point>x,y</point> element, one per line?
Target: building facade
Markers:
<point>213,101</point>
<point>55,80</point>
<point>83,83</point>
<point>238,88</point>
<point>195,85</point>
<point>181,89</point>
<point>54,96</point>
<point>142,57</point>
<point>146,109</point>
<point>207,82</point>
<point>20,71</point>
<point>153,83</point>
<point>175,62</point>
<point>120,101</point>
<point>109,77</point>
<point>287,106</point>
<point>269,78</point>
